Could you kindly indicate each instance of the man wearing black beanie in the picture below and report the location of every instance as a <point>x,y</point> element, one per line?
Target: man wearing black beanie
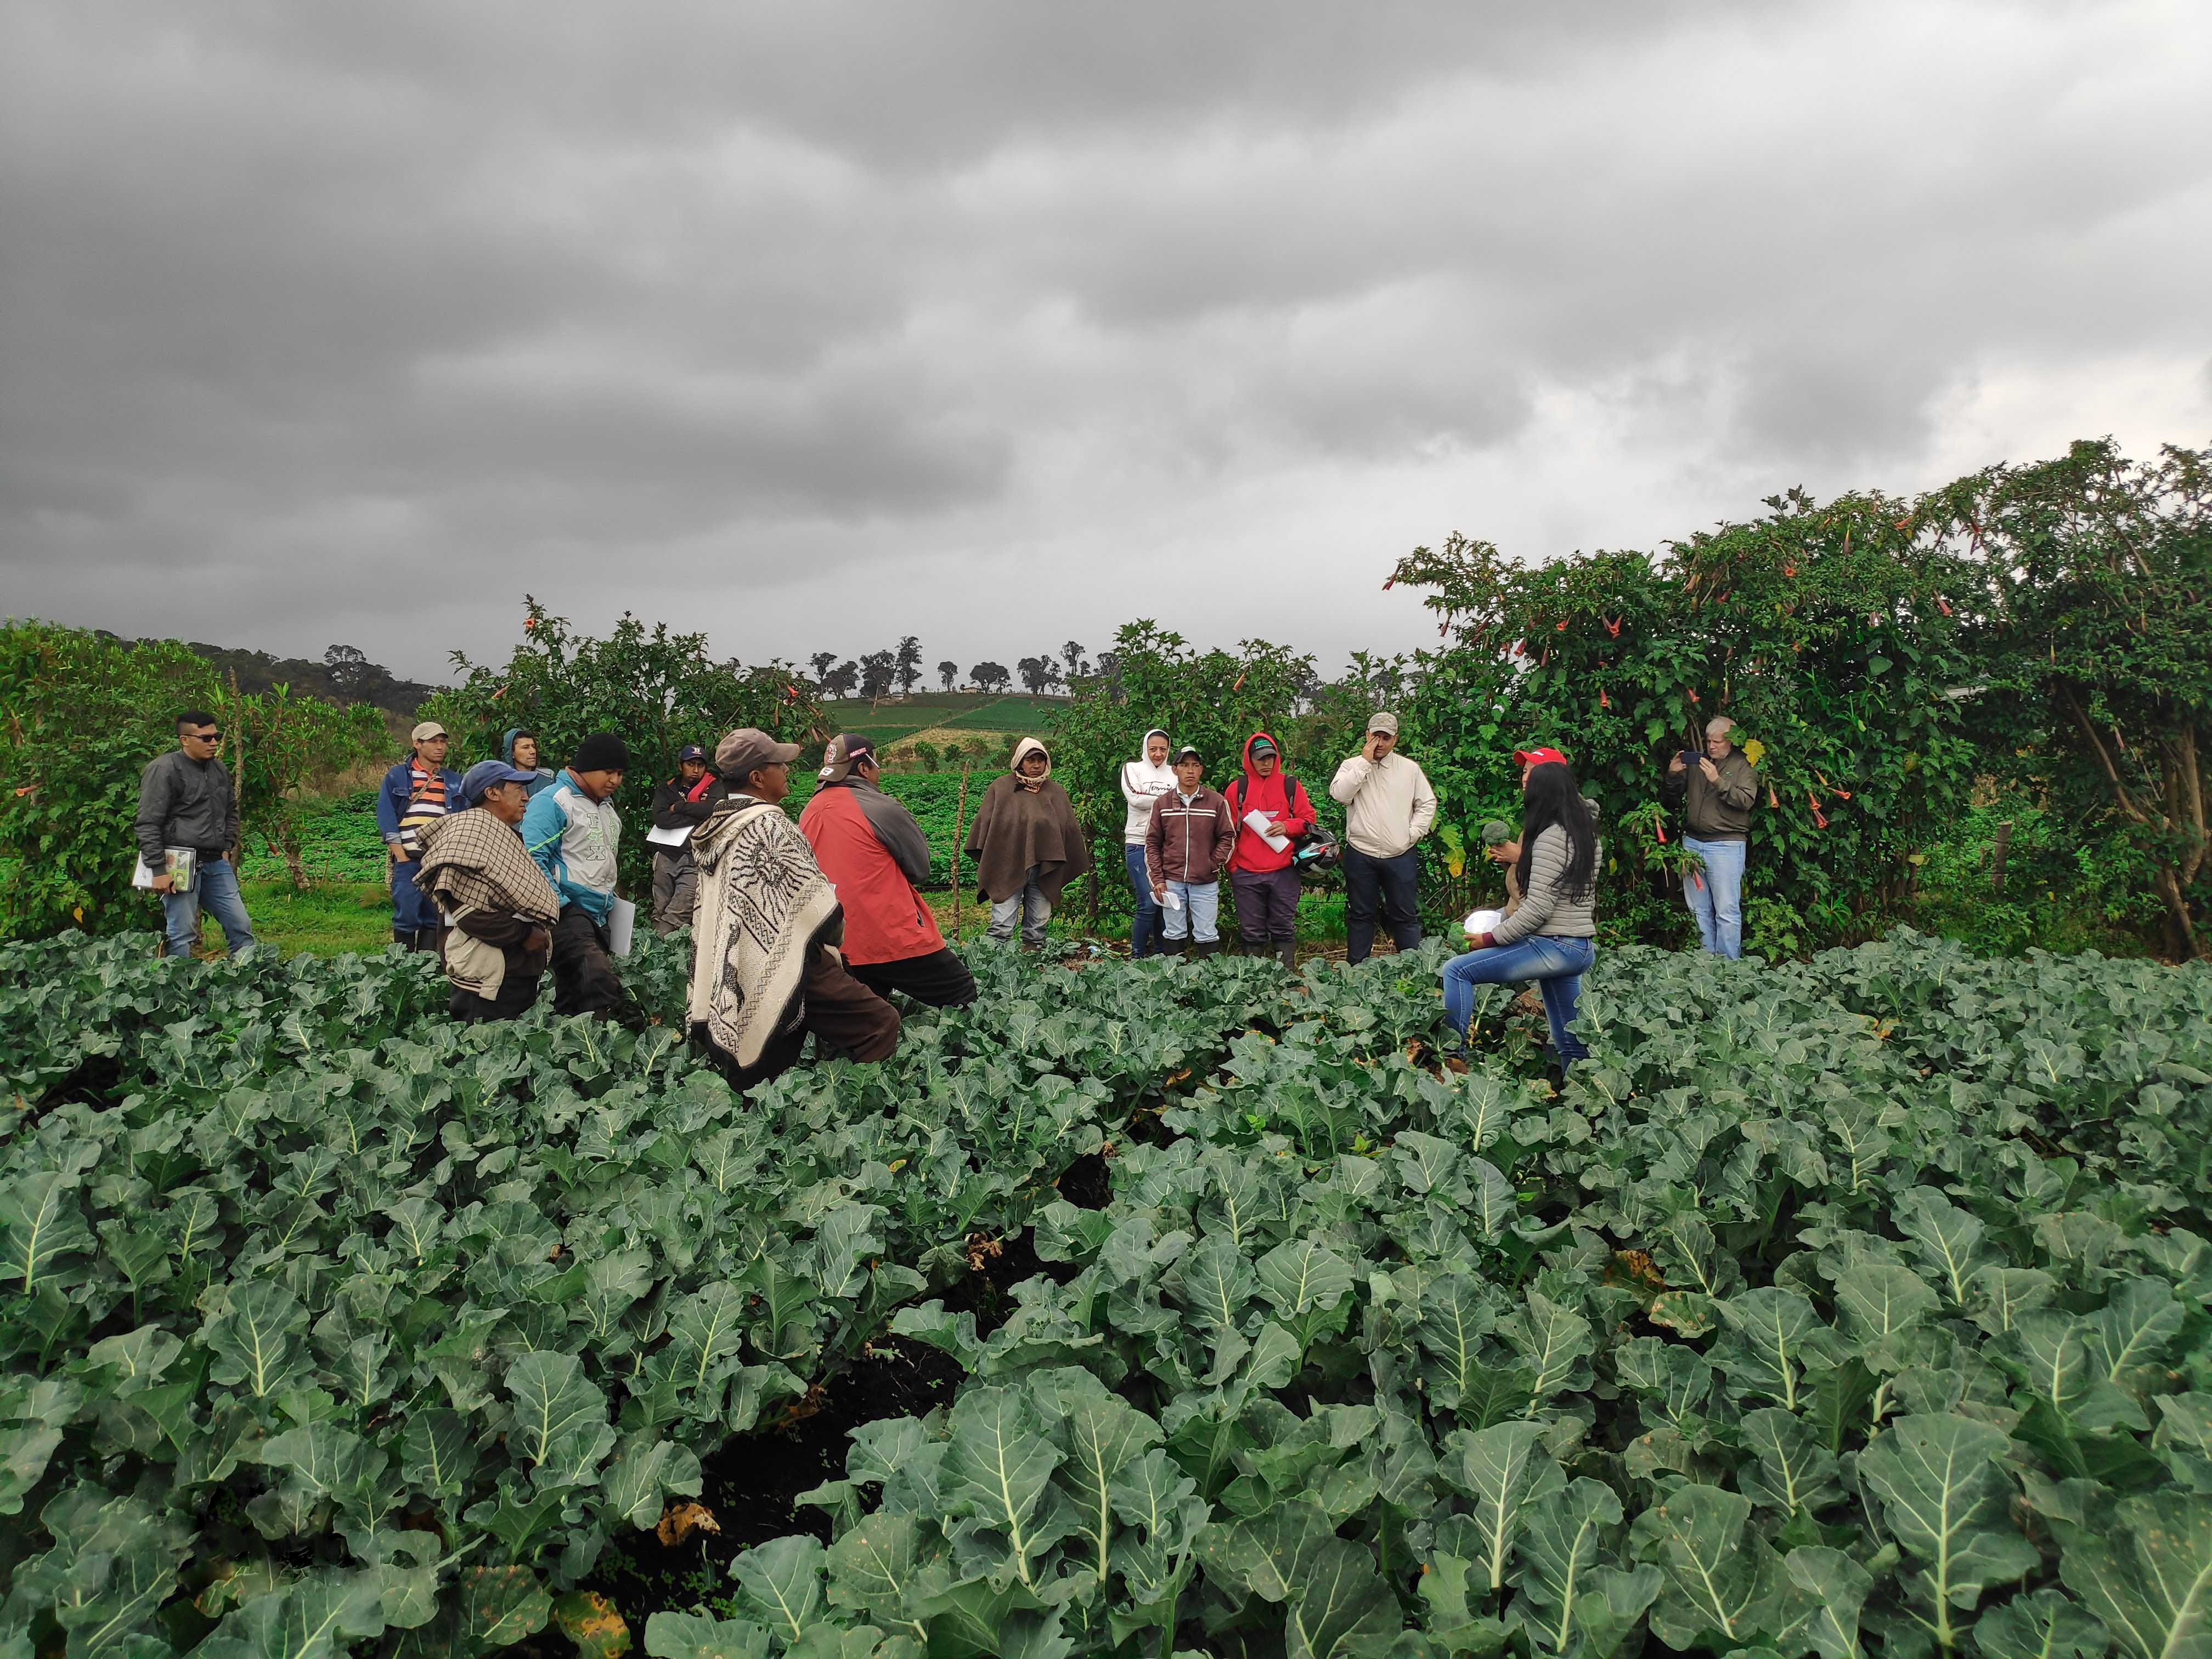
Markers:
<point>574,832</point>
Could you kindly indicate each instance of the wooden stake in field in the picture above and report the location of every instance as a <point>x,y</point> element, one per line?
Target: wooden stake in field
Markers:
<point>959,831</point>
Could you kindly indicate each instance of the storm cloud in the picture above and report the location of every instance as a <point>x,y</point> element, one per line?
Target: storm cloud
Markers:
<point>1003,324</point>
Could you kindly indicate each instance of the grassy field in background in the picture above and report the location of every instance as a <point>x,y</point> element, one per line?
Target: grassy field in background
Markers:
<point>964,712</point>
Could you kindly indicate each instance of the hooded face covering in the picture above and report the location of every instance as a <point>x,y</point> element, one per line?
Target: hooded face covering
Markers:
<point>1023,751</point>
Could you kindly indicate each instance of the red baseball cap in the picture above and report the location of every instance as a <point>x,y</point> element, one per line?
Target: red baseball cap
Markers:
<point>1538,757</point>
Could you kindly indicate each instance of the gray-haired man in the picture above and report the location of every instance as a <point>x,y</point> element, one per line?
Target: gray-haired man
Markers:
<point>1716,795</point>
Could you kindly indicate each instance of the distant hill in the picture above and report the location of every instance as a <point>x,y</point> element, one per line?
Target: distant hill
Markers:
<point>344,675</point>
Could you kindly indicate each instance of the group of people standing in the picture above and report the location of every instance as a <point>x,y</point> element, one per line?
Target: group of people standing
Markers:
<point>509,872</point>
<point>1181,837</point>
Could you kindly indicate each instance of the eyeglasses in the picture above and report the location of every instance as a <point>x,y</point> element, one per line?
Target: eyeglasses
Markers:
<point>204,736</point>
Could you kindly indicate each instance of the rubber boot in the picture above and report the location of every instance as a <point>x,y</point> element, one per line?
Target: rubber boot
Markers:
<point>1210,947</point>
<point>1288,953</point>
<point>1172,947</point>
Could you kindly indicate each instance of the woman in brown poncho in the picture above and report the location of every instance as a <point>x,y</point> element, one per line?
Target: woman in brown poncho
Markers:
<point>1027,845</point>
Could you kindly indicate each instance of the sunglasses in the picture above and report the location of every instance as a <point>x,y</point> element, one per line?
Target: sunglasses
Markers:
<point>204,736</point>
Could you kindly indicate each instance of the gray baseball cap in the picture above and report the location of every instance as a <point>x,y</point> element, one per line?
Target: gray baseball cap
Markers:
<point>747,749</point>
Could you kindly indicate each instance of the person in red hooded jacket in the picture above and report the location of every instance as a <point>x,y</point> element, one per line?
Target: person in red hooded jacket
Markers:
<point>1261,873</point>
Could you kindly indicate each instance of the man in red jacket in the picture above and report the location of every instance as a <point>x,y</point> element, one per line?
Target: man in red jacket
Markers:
<point>874,853</point>
<point>1261,874</point>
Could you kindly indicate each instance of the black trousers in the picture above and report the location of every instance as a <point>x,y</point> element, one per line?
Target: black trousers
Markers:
<point>583,979</point>
<point>1266,905</point>
<point>941,980</point>
<point>845,1016</point>
<point>1397,883</point>
<point>517,992</point>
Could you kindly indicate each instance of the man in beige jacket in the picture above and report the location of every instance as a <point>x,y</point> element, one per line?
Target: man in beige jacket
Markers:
<point>1388,807</point>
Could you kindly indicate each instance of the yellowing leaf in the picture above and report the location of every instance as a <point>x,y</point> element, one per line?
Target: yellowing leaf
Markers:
<point>1755,750</point>
<point>589,1620</point>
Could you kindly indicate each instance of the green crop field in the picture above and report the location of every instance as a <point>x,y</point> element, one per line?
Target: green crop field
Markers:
<point>892,721</point>
<point>1846,1308</point>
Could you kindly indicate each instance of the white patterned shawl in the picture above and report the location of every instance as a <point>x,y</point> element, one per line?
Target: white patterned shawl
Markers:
<point>763,902</point>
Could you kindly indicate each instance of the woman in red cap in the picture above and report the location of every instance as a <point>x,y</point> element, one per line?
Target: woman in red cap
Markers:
<point>1551,936</point>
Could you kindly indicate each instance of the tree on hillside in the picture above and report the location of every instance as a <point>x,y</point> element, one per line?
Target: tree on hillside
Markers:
<point>1036,672</point>
<point>948,671</point>
<point>877,669</point>
<point>823,662</point>
<point>348,676</point>
<point>990,677</point>
<point>348,665</point>
<point>843,679</point>
<point>909,663</point>
<point>1071,654</point>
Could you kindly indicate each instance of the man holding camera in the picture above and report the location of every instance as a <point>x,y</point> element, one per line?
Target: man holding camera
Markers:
<point>1716,791</point>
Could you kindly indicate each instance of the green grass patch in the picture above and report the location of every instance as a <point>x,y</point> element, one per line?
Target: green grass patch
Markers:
<point>329,917</point>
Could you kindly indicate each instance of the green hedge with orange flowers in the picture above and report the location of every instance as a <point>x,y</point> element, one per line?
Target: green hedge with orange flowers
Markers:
<point>1830,632</point>
<point>2046,628</point>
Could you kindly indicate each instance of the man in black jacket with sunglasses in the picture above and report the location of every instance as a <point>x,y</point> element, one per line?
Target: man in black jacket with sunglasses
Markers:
<point>186,805</point>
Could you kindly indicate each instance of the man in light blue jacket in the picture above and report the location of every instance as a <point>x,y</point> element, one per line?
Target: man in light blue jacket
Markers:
<point>574,832</point>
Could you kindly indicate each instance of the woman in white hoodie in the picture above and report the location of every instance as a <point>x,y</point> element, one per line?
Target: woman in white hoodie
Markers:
<point>1144,780</point>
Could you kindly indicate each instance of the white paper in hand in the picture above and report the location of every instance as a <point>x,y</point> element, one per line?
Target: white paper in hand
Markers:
<point>1257,822</point>
<point>672,838</point>
<point>1484,922</point>
<point>622,926</point>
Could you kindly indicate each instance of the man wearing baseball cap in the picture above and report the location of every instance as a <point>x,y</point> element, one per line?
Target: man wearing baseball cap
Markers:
<point>499,909</point>
<point>877,858</point>
<point>679,806</point>
<point>415,794</point>
<point>765,967</point>
<point>574,833</point>
<point>1388,807</point>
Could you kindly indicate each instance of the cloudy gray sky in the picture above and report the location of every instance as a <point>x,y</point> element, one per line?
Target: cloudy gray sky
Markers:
<point>1002,324</point>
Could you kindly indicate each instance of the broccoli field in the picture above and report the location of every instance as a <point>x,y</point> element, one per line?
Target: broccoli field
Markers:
<point>1856,1306</point>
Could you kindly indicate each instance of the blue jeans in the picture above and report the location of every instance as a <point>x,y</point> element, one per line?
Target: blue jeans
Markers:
<point>217,890</point>
<point>1198,918</point>
<point>1556,964</point>
<point>411,909</point>
<point>1397,883</point>
<point>1716,895</point>
<point>1030,907</point>
<point>1144,931</point>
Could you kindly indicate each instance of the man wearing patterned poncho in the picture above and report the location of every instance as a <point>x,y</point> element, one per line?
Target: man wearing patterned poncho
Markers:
<point>496,907</point>
<point>765,970</point>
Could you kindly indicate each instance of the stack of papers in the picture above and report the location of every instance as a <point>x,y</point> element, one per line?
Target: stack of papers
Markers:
<point>1257,822</point>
